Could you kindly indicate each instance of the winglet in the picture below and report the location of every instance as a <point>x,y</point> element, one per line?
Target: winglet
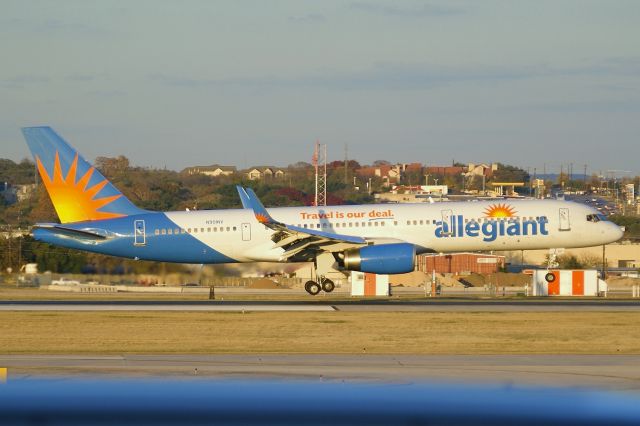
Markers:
<point>244,197</point>
<point>253,202</point>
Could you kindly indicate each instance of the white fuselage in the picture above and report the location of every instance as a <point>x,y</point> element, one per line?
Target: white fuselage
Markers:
<point>438,227</point>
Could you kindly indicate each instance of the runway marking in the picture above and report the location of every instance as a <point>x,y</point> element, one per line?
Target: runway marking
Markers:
<point>182,308</point>
<point>328,306</point>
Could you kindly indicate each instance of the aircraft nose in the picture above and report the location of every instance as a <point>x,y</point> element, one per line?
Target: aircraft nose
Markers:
<point>616,232</point>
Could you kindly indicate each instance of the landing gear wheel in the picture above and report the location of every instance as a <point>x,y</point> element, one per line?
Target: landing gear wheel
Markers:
<point>328,285</point>
<point>312,287</point>
<point>550,277</point>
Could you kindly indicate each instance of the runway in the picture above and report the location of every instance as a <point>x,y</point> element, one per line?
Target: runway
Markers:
<point>448,305</point>
<point>610,372</point>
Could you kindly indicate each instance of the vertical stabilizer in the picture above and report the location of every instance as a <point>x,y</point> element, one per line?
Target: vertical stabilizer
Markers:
<point>77,190</point>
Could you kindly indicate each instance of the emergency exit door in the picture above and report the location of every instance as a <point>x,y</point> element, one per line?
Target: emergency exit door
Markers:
<point>565,222</point>
<point>139,236</point>
<point>447,223</point>
<point>246,231</point>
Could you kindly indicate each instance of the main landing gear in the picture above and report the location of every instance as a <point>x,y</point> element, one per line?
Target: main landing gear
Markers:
<point>322,284</point>
<point>325,265</point>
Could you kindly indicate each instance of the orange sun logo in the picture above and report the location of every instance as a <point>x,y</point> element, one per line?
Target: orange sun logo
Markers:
<point>500,210</point>
<point>262,218</point>
<point>72,200</point>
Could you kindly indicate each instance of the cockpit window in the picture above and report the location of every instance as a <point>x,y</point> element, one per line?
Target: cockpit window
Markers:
<point>596,218</point>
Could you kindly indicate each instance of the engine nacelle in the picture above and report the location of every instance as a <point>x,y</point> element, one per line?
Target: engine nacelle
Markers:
<point>381,259</point>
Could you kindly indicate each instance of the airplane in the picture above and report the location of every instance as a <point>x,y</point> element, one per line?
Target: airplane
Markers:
<point>376,238</point>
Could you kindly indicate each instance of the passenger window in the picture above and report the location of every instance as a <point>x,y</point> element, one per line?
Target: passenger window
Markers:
<point>228,229</point>
<point>415,222</point>
<point>157,232</point>
<point>234,228</point>
<point>170,231</point>
<point>408,222</point>
<point>163,231</point>
<point>208,229</point>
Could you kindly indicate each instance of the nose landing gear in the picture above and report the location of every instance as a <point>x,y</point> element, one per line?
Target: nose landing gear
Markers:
<point>322,284</point>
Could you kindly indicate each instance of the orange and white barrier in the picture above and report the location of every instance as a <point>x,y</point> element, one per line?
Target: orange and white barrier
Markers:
<point>567,282</point>
<point>366,284</point>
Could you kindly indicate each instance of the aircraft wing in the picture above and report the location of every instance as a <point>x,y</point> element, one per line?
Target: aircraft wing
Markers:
<point>298,243</point>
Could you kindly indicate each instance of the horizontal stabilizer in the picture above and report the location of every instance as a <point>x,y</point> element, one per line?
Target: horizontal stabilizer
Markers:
<point>70,232</point>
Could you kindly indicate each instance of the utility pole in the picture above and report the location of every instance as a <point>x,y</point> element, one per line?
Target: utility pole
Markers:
<point>320,163</point>
<point>346,163</point>
<point>604,263</point>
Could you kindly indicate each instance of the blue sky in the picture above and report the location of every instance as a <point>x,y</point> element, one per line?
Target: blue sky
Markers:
<point>531,83</point>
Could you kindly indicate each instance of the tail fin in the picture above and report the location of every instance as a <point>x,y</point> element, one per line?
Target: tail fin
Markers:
<point>77,190</point>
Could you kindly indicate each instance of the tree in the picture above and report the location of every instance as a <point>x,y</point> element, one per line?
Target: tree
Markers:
<point>111,166</point>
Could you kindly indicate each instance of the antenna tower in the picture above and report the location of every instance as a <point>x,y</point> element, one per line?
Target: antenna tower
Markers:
<point>320,164</point>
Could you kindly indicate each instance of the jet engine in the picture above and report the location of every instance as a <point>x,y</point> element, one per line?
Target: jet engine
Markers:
<point>381,259</point>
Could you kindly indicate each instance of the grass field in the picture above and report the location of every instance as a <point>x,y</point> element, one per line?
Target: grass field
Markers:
<point>319,332</point>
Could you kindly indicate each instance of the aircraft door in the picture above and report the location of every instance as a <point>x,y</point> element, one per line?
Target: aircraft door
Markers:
<point>447,222</point>
<point>246,232</point>
<point>139,236</point>
<point>565,224</point>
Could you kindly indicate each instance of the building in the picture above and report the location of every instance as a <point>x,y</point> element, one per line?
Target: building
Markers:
<point>460,263</point>
<point>470,170</point>
<point>264,172</point>
<point>213,170</point>
<point>16,193</point>
<point>390,173</point>
<point>413,194</point>
<point>506,188</point>
<point>485,170</point>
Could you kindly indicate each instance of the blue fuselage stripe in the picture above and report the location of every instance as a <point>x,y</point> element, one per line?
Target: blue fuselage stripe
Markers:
<point>181,248</point>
